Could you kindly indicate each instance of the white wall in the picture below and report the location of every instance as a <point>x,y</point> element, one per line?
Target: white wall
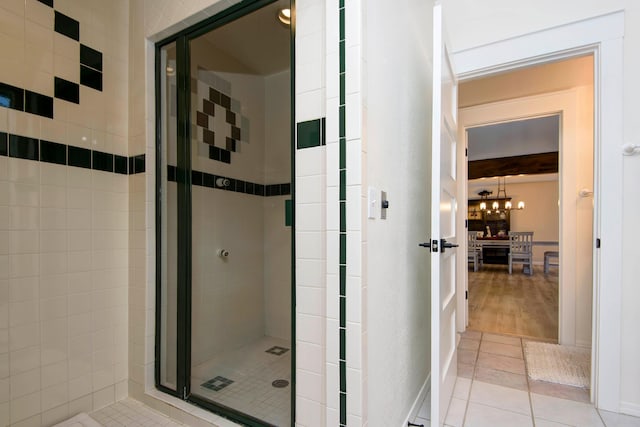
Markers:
<point>498,19</point>
<point>397,113</point>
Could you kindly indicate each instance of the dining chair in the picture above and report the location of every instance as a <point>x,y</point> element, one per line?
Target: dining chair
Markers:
<point>521,250</point>
<point>474,250</point>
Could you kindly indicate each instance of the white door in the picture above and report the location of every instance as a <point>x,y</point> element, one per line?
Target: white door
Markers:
<point>444,203</point>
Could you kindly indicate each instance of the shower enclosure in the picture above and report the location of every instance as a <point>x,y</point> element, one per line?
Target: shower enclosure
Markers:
<point>224,215</point>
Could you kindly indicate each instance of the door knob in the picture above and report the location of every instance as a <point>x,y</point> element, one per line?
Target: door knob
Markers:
<point>444,244</point>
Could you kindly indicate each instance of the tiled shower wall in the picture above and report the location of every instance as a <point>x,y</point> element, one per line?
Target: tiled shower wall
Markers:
<point>65,171</point>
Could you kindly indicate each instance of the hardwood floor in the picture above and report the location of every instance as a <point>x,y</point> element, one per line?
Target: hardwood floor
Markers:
<point>515,304</point>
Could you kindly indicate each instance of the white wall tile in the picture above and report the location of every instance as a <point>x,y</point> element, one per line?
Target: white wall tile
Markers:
<point>23,265</point>
<point>53,241</point>
<point>354,345</point>
<point>310,245</point>
<point>24,124</point>
<point>310,162</point>
<point>24,360</point>
<point>332,296</point>
<point>309,385</point>
<point>354,300</point>
<point>310,105</point>
<point>354,251</point>
<point>52,174</point>
<point>55,415</point>
<point>104,397</point>
<point>332,341</point>
<point>354,392</point>
<point>310,301</point>
<point>25,407</point>
<point>309,328</point>
<point>24,218</point>
<point>332,127</point>
<point>25,383</point>
<point>309,413</point>
<point>53,308</point>
<point>23,312</point>
<point>354,116</point>
<point>54,374</point>
<point>310,357</point>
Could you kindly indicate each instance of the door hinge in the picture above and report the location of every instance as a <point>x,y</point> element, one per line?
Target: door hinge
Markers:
<point>466,294</point>
<point>598,243</point>
<point>466,223</point>
<point>466,152</point>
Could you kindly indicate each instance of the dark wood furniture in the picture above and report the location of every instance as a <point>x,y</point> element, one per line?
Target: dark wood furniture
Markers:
<point>478,220</point>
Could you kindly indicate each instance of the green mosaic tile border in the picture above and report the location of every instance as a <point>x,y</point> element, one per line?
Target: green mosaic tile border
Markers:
<point>342,134</point>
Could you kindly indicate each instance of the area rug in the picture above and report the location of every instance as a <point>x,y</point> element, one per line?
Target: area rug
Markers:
<point>558,364</point>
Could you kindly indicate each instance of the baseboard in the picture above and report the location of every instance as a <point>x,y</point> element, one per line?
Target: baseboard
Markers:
<point>584,344</point>
<point>424,390</point>
<point>629,408</point>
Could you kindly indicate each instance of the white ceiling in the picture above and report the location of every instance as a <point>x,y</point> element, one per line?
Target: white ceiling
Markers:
<point>258,42</point>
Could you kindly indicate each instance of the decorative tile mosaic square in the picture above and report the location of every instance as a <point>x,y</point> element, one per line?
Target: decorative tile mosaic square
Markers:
<point>277,350</point>
<point>219,124</point>
<point>217,383</point>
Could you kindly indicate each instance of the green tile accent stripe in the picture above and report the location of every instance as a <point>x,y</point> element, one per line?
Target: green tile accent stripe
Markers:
<point>311,133</point>
<point>342,134</point>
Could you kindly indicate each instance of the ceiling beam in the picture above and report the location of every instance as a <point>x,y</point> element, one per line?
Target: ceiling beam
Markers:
<point>529,165</point>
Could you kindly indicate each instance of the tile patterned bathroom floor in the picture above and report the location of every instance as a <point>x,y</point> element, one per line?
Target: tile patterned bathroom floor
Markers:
<point>492,390</point>
<point>131,413</point>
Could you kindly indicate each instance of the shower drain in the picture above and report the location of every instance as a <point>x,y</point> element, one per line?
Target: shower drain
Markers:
<point>280,383</point>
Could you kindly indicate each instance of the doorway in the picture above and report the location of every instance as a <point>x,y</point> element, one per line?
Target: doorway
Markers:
<point>564,88</point>
<point>513,187</point>
<point>526,95</point>
<point>224,221</point>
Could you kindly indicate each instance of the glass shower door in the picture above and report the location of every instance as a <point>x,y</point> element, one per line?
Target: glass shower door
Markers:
<point>241,246</point>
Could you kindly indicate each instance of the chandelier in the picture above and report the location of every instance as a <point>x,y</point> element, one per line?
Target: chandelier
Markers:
<point>501,201</point>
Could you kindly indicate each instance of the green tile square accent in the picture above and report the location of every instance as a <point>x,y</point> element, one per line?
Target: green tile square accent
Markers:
<point>343,377</point>
<point>343,409</point>
<point>343,340</point>
<point>343,217</point>
<point>342,55</point>
<point>343,153</point>
<point>288,213</point>
<point>343,89</point>
<point>309,134</point>
<point>342,121</point>
<point>343,185</point>
<point>343,248</point>
<point>343,280</point>
<point>342,24</point>
<point>343,324</point>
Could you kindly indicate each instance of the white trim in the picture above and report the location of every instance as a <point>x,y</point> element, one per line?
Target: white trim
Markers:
<point>630,409</point>
<point>601,35</point>
<point>562,103</point>
<point>418,402</point>
<point>539,47</point>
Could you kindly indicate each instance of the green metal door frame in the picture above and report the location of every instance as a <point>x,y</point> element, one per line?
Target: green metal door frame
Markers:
<point>184,200</point>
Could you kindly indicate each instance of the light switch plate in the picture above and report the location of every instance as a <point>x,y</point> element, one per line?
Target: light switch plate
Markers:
<point>372,203</point>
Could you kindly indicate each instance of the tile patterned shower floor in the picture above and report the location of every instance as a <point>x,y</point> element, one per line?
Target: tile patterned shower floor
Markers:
<point>252,370</point>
